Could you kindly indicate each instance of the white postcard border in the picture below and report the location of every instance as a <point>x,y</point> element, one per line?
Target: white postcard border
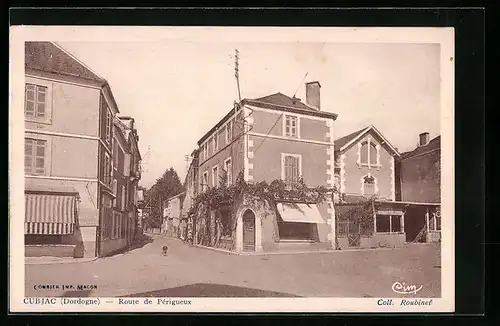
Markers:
<point>443,36</point>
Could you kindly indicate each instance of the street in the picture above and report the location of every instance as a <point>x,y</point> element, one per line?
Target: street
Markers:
<point>197,272</point>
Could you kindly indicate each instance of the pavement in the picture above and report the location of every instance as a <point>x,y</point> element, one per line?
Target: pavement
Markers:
<point>189,271</point>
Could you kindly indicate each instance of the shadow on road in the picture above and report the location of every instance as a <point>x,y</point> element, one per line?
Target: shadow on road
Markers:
<point>211,290</point>
<point>137,244</point>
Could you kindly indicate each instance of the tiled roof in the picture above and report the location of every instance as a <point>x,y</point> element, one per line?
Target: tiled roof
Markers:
<point>433,144</point>
<point>48,57</point>
<point>339,143</point>
<point>283,100</point>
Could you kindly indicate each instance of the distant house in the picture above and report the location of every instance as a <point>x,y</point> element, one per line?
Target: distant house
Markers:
<point>72,206</point>
<point>268,138</point>
<point>419,172</point>
<point>191,186</point>
<point>365,168</point>
<point>172,214</point>
<point>418,180</point>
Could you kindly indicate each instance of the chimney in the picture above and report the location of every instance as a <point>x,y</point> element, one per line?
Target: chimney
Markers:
<point>424,138</point>
<point>313,94</point>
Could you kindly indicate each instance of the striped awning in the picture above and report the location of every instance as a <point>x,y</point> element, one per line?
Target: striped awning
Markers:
<point>50,214</point>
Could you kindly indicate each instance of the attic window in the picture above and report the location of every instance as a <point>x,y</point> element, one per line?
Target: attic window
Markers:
<point>369,153</point>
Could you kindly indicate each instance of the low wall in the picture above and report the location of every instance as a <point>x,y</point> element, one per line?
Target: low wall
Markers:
<point>434,236</point>
<point>389,239</point>
<point>377,240</point>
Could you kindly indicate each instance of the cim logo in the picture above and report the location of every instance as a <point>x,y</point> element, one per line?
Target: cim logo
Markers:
<point>402,288</point>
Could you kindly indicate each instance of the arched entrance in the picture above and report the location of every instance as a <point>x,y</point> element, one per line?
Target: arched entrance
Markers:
<point>248,231</point>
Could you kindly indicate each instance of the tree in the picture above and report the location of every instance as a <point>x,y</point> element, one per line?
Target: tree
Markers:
<point>168,185</point>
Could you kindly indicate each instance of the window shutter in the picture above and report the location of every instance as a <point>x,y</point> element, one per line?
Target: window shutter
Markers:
<point>28,155</point>
<point>123,198</point>
<point>115,191</point>
<point>40,157</point>
<point>295,169</point>
<point>126,168</point>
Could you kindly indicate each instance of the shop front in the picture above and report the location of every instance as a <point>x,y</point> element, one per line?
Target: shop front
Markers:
<point>51,223</point>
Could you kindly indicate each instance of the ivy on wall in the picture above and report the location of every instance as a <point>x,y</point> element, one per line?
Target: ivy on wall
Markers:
<point>209,222</point>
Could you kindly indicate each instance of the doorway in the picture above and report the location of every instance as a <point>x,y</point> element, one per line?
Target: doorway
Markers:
<point>415,224</point>
<point>249,231</point>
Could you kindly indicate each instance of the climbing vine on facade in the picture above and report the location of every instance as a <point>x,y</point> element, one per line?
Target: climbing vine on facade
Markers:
<point>210,223</point>
<point>206,208</point>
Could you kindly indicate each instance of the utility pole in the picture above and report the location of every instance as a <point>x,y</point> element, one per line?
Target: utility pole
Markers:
<point>237,72</point>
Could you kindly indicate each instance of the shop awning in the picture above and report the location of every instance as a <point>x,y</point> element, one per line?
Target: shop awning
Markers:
<point>50,214</point>
<point>303,213</point>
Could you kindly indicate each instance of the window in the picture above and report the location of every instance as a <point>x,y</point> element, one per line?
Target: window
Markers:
<point>228,167</point>
<point>291,168</point>
<point>229,131</point>
<point>117,225</point>
<point>115,154</point>
<point>295,231</point>
<point>215,176</point>
<point>123,200</point>
<point>216,142</point>
<point>337,182</point>
<point>107,169</point>
<point>205,151</point>
<point>368,186</point>
<point>368,153</point>
<point>35,152</point>
<point>435,221</point>
<point>107,218</point>
<point>204,181</point>
<point>291,126</point>
<point>35,105</point>
<point>389,223</point>
<point>109,122</point>
<point>115,193</point>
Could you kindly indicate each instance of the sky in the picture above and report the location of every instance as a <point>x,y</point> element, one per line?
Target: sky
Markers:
<point>177,90</point>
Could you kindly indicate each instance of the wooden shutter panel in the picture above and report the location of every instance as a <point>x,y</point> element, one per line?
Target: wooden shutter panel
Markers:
<point>287,169</point>
<point>295,168</point>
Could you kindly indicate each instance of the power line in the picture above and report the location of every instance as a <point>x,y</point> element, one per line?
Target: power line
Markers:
<point>300,84</point>
<point>320,50</point>
<point>267,135</point>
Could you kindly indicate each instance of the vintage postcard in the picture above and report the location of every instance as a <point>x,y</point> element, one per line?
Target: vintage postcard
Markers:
<point>224,169</point>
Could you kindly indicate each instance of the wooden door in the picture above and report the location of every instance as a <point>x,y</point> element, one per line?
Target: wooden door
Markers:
<point>249,231</point>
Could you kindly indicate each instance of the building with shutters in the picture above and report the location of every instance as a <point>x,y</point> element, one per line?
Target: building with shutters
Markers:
<point>269,138</point>
<point>71,161</point>
<point>172,215</point>
<point>366,165</point>
<point>365,168</point>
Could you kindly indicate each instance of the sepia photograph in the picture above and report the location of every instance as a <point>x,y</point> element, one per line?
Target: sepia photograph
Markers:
<point>172,168</point>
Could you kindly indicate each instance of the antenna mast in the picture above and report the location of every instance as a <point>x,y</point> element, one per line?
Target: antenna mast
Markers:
<point>237,72</point>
